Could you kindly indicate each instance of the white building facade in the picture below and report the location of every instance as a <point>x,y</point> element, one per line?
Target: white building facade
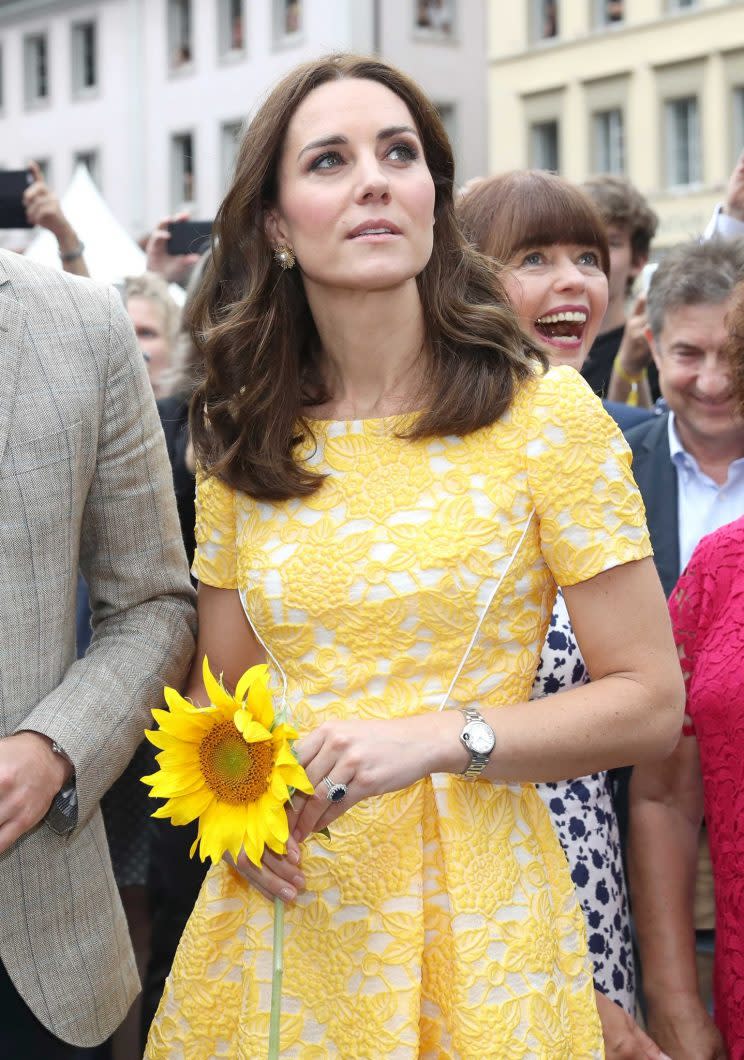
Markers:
<point>151,94</point>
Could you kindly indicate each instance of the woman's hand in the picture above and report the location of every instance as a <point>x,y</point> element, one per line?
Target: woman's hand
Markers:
<point>623,1038</point>
<point>686,1031</point>
<point>372,758</point>
<point>280,876</point>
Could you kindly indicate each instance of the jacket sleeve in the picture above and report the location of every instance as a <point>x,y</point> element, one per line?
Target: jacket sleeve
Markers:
<point>132,557</point>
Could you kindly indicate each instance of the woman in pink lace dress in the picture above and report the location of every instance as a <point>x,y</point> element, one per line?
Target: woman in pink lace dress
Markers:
<point>704,776</point>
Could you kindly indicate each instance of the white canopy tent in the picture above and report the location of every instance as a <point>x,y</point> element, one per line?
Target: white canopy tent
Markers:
<point>110,252</point>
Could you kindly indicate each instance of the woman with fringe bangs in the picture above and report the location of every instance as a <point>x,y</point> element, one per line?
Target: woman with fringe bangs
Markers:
<point>390,487</point>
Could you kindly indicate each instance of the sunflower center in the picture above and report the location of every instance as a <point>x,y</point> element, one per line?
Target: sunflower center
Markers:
<point>236,771</point>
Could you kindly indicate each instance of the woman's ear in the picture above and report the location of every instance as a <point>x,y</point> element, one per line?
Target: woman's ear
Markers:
<point>274,228</point>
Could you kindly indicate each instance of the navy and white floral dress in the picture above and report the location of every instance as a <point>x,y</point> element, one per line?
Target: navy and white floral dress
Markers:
<point>585,822</point>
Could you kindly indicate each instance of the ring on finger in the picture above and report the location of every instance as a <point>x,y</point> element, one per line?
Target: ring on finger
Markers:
<point>336,792</point>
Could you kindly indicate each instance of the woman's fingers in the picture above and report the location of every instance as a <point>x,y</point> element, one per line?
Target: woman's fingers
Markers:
<point>279,875</point>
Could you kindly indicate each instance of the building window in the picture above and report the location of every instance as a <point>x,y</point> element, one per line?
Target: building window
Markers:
<point>544,146</point>
<point>609,141</point>
<point>183,179</point>
<point>91,161</point>
<point>287,20</point>
<point>231,29</point>
<point>230,134</point>
<point>682,141</point>
<point>544,19</point>
<point>84,58</point>
<point>435,18</point>
<point>180,43</point>
<point>608,12</point>
<point>738,144</point>
<point>680,5</point>
<point>36,63</point>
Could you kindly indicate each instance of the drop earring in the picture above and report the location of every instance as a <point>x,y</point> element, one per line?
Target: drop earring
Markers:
<point>284,256</point>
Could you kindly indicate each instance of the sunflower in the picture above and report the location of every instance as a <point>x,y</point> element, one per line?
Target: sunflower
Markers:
<point>229,765</point>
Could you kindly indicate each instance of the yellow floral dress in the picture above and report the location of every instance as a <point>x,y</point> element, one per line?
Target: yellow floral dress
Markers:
<point>439,921</point>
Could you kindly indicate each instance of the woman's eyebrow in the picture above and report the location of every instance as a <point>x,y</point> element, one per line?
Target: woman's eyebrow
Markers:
<point>338,138</point>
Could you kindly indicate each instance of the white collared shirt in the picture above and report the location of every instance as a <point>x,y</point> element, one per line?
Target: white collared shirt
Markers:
<point>702,506</point>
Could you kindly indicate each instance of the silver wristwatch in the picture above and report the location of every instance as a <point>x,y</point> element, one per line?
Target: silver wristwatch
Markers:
<point>478,736</point>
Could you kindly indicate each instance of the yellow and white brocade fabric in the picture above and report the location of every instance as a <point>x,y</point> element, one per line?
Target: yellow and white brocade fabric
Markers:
<point>439,921</point>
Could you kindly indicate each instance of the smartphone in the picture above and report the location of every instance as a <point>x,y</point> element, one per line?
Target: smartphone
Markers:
<point>13,183</point>
<point>189,237</point>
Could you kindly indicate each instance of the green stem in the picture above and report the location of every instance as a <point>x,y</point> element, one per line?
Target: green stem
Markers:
<point>276,980</point>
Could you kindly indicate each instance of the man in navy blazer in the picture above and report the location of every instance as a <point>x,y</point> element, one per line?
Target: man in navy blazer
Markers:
<point>689,462</point>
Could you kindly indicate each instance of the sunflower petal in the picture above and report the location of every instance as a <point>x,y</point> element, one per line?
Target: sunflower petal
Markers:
<point>253,673</point>
<point>251,730</point>
<point>217,694</point>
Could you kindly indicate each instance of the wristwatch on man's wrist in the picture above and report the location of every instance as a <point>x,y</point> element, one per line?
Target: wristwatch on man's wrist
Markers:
<point>479,738</point>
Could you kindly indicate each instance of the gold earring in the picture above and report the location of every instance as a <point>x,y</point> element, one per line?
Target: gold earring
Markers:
<point>284,256</point>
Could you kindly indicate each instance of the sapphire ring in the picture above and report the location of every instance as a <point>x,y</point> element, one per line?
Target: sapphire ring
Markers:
<point>336,792</point>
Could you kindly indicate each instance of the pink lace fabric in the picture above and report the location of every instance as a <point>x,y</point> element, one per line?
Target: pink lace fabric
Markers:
<point>707,608</point>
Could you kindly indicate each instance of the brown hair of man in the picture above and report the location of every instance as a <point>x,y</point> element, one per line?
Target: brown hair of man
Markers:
<point>260,348</point>
<point>507,213</point>
<point>621,204</point>
<point>734,345</point>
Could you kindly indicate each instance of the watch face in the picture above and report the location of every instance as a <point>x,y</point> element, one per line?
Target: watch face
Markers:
<point>480,737</point>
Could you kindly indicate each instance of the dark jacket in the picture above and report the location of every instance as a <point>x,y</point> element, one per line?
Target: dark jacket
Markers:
<point>656,476</point>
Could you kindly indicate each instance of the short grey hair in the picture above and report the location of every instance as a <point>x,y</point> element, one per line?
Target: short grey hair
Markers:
<point>694,274</point>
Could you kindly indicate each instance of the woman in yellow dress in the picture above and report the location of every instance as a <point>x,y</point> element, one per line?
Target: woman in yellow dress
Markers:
<point>390,488</point>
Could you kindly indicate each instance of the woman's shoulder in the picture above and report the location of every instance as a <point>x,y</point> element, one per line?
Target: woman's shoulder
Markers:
<point>721,554</point>
<point>558,397</point>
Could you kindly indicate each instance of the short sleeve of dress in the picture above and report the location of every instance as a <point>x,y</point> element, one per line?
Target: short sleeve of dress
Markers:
<point>215,559</point>
<point>590,512</point>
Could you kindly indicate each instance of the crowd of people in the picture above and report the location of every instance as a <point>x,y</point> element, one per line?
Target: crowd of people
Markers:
<point>440,457</point>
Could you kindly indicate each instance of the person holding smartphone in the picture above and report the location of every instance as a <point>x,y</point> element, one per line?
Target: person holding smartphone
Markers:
<point>43,208</point>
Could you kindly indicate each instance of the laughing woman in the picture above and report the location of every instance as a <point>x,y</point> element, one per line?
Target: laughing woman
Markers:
<point>390,488</point>
<point>552,244</point>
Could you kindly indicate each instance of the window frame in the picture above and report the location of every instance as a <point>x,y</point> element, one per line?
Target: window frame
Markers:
<point>433,35</point>
<point>32,98</point>
<point>226,52</point>
<point>280,38</point>
<point>77,52</point>
<point>175,21</point>
<point>178,179</point>
<point>78,158</point>
<point>535,129</point>
<point>602,139</point>
<point>694,160</point>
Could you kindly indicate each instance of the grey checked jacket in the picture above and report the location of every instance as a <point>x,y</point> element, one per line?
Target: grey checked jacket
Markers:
<point>84,481</point>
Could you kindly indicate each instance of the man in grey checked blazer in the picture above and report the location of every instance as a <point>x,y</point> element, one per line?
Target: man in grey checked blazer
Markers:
<point>84,481</point>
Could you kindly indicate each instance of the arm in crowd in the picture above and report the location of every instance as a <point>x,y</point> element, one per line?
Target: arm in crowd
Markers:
<point>727,221</point>
<point>666,811</point>
<point>43,208</point>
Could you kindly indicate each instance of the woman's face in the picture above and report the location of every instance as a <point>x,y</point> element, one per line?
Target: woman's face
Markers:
<point>560,295</point>
<point>149,326</point>
<point>356,198</point>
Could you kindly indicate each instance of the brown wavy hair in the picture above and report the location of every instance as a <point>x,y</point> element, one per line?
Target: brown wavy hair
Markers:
<point>734,344</point>
<point>530,208</point>
<point>259,344</point>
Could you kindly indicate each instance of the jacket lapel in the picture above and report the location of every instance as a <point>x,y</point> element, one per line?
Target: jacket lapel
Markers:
<point>12,320</point>
<point>656,476</point>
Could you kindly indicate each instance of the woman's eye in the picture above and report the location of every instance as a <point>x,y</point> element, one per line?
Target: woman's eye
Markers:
<point>329,160</point>
<point>402,153</point>
<point>533,258</point>
<point>589,257</point>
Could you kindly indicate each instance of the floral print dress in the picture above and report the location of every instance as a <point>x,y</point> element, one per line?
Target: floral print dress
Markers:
<point>439,921</point>
<point>585,822</point>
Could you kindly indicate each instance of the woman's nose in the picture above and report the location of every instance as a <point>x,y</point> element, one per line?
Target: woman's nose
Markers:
<point>372,183</point>
<point>569,276</point>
